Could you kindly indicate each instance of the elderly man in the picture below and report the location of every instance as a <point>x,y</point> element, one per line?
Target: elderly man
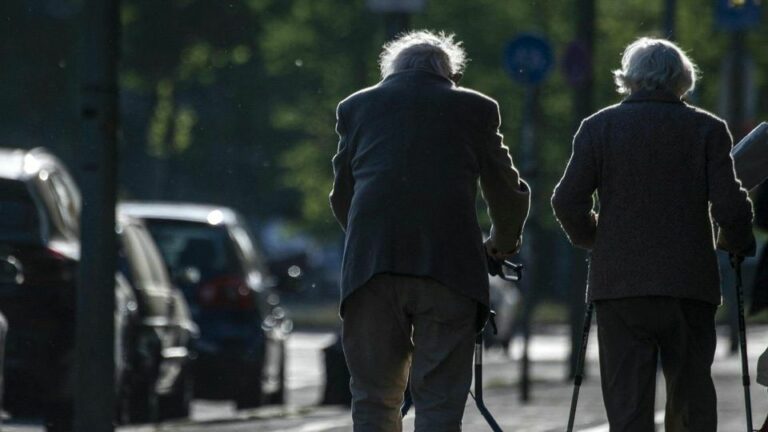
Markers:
<point>414,284</point>
<point>660,167</point>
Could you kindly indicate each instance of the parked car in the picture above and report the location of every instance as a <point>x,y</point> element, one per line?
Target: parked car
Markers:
<point>158,381</point>
<point>212,257</point>
<point>39,255</point>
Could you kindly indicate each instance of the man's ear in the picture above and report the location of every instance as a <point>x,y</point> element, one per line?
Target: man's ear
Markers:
<point>457,77</point>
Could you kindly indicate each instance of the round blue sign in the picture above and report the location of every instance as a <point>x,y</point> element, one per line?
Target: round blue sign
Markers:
<point>528,59</point>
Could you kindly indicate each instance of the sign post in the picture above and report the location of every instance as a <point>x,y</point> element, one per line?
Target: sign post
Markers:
<point>528,60</point>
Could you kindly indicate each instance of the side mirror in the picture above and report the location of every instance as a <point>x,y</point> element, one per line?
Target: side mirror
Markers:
<point>187,276</point>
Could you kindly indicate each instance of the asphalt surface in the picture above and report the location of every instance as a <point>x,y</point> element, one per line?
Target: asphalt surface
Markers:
<point>547,411</point>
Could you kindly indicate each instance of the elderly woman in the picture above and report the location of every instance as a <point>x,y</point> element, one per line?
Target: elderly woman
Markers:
<point>662,172</point>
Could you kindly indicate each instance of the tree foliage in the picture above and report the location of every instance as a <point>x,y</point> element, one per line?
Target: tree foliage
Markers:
<point>232,101</point>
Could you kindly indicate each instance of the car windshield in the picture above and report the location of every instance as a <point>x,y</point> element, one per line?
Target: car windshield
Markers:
<point>19,218</point>
<point>207,248</point>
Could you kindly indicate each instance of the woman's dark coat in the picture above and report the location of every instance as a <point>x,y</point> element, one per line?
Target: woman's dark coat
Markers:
<point>663,172</point>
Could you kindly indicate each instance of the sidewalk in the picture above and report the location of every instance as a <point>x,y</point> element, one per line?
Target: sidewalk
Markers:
<point>551,396</point>
<point>551,393</point>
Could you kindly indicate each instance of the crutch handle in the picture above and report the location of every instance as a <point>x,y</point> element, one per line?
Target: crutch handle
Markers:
<point>504,269</point>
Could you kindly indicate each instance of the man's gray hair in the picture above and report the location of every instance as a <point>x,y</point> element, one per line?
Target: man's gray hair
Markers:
<point>422,49</point>
<point>655,64</point>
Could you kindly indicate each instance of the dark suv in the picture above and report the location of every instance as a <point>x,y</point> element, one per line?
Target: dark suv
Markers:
<point>243,329</point>
<point>39,255</point>
<point>158,381</point>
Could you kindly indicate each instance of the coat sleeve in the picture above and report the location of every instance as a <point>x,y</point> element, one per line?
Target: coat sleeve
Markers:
<point>572,200</point>
<point>730,205</point>
<point>507,196</point>
<point>343,182</point>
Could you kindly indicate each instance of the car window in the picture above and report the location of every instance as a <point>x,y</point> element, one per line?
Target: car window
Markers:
<point>19,215</point>
<point>156,265</point>
<point>140,274</point>
<point>53,207</point>
<point>250,252</point>
<point>208,248</point>
<point>68,205</point>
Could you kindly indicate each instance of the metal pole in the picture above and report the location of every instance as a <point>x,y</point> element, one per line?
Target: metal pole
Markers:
<point>736,261</point>
<point>396,23</point>
<point>736,122</point>
<point>670,12</point>
<point>95,370</point>
<point>737,84</point>
<point>528,170</point>
<point>583,104</point>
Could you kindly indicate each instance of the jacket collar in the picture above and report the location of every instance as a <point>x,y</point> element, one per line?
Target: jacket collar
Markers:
<point>417,75</point>
<point>652,96</point>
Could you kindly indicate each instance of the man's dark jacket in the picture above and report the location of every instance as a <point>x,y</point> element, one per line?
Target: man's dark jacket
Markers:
<point>662,170</point>
<point>411,151</point>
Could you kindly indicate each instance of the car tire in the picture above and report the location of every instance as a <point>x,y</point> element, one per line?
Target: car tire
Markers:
<point>177,404</point>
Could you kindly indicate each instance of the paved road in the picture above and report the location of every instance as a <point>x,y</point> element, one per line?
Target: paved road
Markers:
<point>547,412</point>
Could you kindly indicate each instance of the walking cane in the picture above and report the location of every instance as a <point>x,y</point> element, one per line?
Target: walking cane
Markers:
<point>736,264</point>
<point>580,365</point>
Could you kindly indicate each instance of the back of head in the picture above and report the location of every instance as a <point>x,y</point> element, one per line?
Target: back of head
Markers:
<point>655,64</point>
<point>434,52</point>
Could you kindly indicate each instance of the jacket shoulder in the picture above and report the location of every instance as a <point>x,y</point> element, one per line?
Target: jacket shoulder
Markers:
<point>473,96</point>
<point>355,97</point>
<point>706,117</point>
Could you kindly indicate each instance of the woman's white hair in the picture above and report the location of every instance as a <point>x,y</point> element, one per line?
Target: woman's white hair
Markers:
<point>655,64</point>
<point>422,49</point>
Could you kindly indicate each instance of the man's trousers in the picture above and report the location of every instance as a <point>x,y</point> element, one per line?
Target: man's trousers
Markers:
<point>395,325</point>
<point>633,334</point>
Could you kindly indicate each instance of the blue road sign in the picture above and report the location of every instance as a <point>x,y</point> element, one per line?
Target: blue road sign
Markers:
<point>528,59</point>
<point>735,15</point>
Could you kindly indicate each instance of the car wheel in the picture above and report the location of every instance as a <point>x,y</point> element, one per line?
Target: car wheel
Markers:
<point>177,403</point>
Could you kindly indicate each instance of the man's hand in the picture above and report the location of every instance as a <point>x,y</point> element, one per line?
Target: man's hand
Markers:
<point>498,255</point>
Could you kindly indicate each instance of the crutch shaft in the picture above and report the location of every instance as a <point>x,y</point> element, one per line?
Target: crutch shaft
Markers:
<point>580,365</point>
<point>743,343</point>
<point>479,386</point>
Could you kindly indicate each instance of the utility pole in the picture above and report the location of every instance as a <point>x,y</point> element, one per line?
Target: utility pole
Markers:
<point>583,106</point>
<point>95,363</point>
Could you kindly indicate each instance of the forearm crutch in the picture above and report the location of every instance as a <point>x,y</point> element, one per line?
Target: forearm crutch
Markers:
<point>736,263</point>
<point>495,268</point>
<point>579,376</point>
<point>479,385</point>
